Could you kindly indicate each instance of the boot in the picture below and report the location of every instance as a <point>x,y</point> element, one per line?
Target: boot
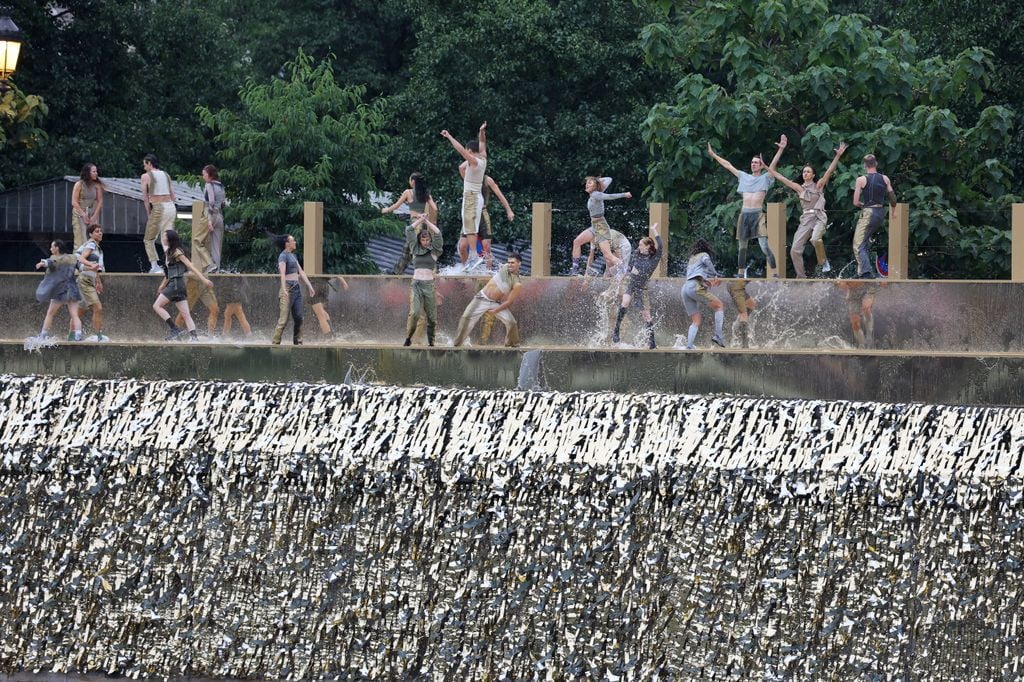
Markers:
<point>650,336</point>
<point>618,324</point>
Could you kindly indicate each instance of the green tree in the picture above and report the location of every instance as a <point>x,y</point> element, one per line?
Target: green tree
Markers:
<point>747,71</point>
<point>562,86</point>
<point>296,139</point>
<point>20,118</point>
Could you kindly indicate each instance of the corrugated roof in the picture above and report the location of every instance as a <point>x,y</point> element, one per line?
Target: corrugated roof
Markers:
<point>385,252</point>
<point>132,188</point>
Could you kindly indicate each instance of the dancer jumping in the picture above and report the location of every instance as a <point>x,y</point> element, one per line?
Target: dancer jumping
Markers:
<point>472,189</point>
<point>813,218</point>
<point>754,188</point>
<point>599,230</point>
<point>644,263</point>
<point>701,274</point>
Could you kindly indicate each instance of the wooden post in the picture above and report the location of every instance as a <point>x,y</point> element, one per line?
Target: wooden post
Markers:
<point>1017,243</point>
<point>540,257</point>
<point>777,237</point>
<point>659,214</point>
<point>899,241</point>
<point>313,238</point>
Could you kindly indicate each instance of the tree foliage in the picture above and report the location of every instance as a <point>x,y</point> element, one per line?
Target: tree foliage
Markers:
<point>747,71</point>
<point>562,87</point>
<point>296,139</point>
<point>20,118</point>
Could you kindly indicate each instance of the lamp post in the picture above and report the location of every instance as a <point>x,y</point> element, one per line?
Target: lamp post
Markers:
<point>10,47</point>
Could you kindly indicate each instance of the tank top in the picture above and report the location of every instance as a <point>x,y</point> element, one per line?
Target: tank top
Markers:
<point>475,176</point>
<point>87,196</point>
<point>873,193</point>
<point>417,206</point>
<point>159,182</point>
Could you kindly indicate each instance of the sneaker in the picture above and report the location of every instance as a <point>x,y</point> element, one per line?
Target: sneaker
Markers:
<point>718,341</point>
<point>473,264</point>
<point>71,336</point>
<point>193,336</point>
<point>691,348</point>
<point>155,270</point>
<point>615,337</point>
<point>827,267</point>
<point>741,274</point>
<point>101,337</point>
<point>868,275</point>
<point>175,333</point>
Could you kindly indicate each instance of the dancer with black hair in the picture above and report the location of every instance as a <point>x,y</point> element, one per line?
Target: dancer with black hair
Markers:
<point>475,154</point>
<point>290,297</point>
<point>59,287</point>
<point>90,286</point>
<point>813,219</point>
<point>642,267</point>
<point>172,289</point>
<point>599,230</point>
<point>86,203</point>
<point>420,203</point>
<point>700,276</point>
<point>754,187</point>
<point>497,295</point>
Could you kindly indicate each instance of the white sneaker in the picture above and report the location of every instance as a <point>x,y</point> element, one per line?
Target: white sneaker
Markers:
<point>473,264</point>
<point>827,267</point>
<point>155,270</point>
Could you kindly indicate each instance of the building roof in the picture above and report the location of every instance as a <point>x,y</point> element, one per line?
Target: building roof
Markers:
<point>131,188</point>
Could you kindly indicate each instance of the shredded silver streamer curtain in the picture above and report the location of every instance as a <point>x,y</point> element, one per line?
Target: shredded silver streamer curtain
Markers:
<point>304,531</point>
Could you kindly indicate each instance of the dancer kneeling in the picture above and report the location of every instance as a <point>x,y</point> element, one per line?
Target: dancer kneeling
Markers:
<point>172,288</point>
<point>428,248</point>
<point>701,274</point>
<point>643,266</point>
<point>496,297</point>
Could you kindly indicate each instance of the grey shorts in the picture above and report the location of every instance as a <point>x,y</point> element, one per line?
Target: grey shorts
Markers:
<point>693,292</point>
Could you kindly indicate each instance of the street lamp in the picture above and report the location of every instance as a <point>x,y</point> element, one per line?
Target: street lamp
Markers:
<point>10,46</point>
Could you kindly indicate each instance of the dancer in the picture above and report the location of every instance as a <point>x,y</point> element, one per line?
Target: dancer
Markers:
<point>497,295</point>
<point>642,267</point>
<point>599,230</point>
<point>745,303</point>
<point>860,304</point>
<point>869,193</point>
<point>701,274</point>
<point>754,188</point>
<point>486,234</point>
<point>323,288</point>
<point>234,294</point>
<point>472,188</point>
<point>172,288</point>
<point>813,218</point>
<point>290,297</point>
<point>419,201</point>
<point>158,199</point>
<point>429,245</point>
<point>90,286</point>
<point>195,294</point>
<point>86,203</point>
<point>209,236</point>
<point>60,287</point>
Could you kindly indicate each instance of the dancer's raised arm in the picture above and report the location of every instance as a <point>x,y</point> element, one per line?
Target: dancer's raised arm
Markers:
<point>722,162</point>
<point>780,177</point>
<point>781,144</point>
<point>832,166</point>
<point>481,137</point>
<point>463,152</point>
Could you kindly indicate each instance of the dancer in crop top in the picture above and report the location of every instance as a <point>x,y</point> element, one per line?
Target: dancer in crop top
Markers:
<point>599,230</point>
<point>642,267</point>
